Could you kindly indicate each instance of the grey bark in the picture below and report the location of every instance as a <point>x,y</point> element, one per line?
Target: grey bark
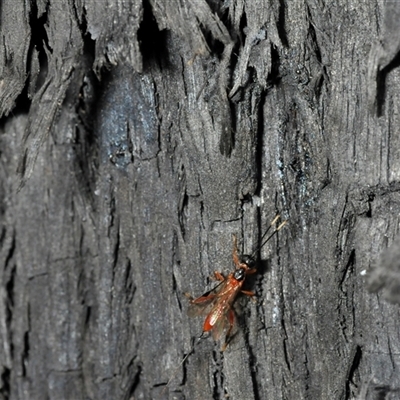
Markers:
<point>145,134</point>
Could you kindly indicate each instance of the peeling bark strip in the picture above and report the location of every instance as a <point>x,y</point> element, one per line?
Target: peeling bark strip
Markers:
<point>147,133</point>
<point>382,54</point>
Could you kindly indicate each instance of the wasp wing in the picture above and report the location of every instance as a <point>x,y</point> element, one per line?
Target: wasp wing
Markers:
<point>222,325</point>
<point>224,317</point>
<point>203,304</point>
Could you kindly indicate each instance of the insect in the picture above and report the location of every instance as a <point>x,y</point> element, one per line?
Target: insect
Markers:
<point>217,303</point>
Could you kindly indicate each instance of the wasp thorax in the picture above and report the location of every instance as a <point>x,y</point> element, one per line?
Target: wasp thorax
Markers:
<point>239,274</point>
<point>248,260</point>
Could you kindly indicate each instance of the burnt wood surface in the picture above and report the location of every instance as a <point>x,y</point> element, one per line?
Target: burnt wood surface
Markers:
<point>136,137</point>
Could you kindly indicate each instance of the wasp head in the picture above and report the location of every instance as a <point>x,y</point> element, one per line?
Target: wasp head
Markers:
<point>248,261</point>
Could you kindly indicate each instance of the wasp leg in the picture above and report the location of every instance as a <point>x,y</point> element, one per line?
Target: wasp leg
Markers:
<point>189,296</point>
<point>231,319</point>
<point>219,276</point>
<point>235,256</point>
<point>202,299</point>
<point>249,293</point>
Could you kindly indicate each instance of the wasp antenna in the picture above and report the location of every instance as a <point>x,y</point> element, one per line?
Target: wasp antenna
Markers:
<point>272,234</point>
<point>280,226</point>
<point>275,219</point>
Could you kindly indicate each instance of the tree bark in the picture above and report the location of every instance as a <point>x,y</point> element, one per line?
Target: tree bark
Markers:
<point>137,137</point>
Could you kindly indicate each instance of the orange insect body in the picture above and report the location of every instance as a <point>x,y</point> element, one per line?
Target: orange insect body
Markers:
<point>226,298</point>
<point>217,303</point>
